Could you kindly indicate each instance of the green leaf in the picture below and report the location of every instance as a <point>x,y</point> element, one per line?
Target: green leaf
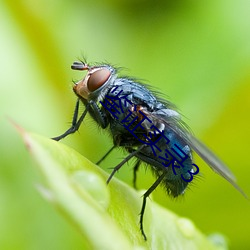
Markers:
<point>107,215</point>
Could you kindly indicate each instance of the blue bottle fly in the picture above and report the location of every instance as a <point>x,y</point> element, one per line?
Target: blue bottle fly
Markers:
<point>148,127</point>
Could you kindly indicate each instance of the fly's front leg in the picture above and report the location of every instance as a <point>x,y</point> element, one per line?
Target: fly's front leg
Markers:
<point>75,123</point>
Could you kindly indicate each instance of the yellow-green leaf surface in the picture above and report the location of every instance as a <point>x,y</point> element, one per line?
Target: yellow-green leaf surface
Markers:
<point>106,215</point>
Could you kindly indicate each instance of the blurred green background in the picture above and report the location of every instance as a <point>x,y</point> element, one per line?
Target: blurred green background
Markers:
<point>196,52</point>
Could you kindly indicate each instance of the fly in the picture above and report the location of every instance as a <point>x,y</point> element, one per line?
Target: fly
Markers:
<point>148,127</point>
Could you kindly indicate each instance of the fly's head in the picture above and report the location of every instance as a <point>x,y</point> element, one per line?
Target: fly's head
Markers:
<point>95,80</point>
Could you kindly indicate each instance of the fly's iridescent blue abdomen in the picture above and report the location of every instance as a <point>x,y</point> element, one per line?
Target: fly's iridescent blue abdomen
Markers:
<point>177,177</point>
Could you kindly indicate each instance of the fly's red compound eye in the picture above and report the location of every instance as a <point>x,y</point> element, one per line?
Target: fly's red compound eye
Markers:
<point>97,79</point>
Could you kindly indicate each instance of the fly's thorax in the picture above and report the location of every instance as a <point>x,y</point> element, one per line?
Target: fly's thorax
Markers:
<point>96,81</point>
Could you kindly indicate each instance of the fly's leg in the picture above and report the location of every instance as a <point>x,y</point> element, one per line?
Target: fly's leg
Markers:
<point>124,161</point>
<point>105,155</point>
<point>136,167</point>
<point>145,196</point>
<point>75,124</point>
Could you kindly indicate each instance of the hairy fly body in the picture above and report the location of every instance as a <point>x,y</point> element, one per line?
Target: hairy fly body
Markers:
<point>148,127</point>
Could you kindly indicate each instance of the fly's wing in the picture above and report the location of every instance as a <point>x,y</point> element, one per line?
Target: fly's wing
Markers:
<point>171,119</point>
<point>213,161</point>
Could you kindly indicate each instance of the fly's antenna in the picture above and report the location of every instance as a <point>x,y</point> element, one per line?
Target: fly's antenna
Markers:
<point>80,66</point>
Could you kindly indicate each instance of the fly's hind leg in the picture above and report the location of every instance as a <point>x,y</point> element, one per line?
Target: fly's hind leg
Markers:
<point>135,169</point>
<point>145,196</point>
